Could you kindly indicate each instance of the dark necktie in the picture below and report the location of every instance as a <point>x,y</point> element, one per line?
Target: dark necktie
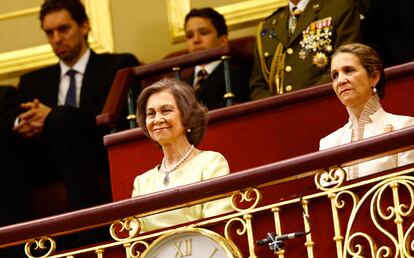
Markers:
<point>71,93</point>
<point>201,76</point>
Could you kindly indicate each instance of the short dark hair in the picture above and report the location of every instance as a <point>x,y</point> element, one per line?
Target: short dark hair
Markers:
<point>74,7</point>
<point>215,17</point>
<point>194,114</point>
<point>370,60</point>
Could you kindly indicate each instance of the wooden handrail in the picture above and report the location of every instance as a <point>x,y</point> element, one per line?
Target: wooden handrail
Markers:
<point>125,77</point>
<point>399,71</point>
<point>235,111</point>
<point>264,104</point>
<point>105,214</point>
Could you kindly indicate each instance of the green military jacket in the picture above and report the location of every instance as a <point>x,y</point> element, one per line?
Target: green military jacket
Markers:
<point>284,63</point>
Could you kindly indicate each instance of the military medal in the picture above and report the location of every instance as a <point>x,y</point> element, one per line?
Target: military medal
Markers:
<point>303,54</point>
<point>320,60</point>
<point>317,40</point>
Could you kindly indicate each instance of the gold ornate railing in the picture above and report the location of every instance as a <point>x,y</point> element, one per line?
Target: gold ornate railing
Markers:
<point>368,217</point>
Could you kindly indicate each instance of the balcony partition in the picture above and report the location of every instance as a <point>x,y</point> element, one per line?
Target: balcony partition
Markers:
<point>367,217</point>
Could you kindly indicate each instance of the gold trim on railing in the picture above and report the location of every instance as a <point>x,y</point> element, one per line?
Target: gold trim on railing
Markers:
<point>336,204</point>
<point>251,197</point>
<point>130,227</point>
<point>278,227</point>
<point>41,246</point>
<point>306,218</point>
<point>132,250</point>
<point>352,242</point>
<point>383,215</point>
<point>330,179</point>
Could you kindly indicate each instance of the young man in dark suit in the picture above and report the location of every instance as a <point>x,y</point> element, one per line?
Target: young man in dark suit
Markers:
<point>54,126</point>
<point>205,28</point>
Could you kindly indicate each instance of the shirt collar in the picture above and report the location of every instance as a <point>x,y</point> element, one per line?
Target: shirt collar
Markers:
<point>208,67</point>
<point>301,5</point>
<point>79,67</point>
<point>371,107</point>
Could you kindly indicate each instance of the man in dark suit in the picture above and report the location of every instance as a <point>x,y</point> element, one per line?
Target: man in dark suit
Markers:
<point>54,126</point>
<point>205,28</point>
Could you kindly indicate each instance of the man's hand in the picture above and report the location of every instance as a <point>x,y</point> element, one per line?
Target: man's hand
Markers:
<point>32,121</point>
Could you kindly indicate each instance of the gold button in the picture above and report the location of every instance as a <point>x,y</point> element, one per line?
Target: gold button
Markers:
<point>266,54</point>
<point>289,51</point>
<point>288,68</point>
<point>288,88</point>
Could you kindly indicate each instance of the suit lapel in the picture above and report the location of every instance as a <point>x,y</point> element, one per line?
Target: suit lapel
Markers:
<point>281,26</point>
<point>211,80</point>
<point>347,136</point>
<point>51,93</point>
<point>309,15</point>
<point>90,78</point>
<point>190,80</point>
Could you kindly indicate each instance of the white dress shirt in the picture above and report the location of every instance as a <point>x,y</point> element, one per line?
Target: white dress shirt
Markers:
<point>208,67</point>
<point>80,68</point>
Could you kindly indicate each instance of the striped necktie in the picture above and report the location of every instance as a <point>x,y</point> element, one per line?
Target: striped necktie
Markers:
<point>201,76</point>
<point>294,16</point>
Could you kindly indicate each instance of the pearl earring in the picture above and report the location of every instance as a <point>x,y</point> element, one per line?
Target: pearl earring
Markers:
<point>374,90</point>
<point>189,130</point>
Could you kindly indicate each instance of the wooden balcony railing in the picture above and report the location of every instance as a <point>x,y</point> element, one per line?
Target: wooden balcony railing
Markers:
<point>298,167</point>
<point>269,130</point>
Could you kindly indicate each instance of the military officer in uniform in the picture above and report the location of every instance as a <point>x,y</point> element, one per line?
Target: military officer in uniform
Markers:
<point>294,44</point>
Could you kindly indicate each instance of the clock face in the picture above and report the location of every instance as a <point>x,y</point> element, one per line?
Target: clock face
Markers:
<point>191,243</point>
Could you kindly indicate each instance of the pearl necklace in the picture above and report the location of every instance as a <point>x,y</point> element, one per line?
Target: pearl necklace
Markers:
<point>167,172</point>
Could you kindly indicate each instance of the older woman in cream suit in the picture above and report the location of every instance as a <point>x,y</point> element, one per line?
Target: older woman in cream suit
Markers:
<point>358,81</point>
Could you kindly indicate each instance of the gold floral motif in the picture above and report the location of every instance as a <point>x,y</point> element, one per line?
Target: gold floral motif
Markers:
<point>131,225</point>
<point>251,197</point>
<point>330,179</point>
<point>382,210</point>
<point>40,245</point>
<point>357,250</point>
<point>245,229</point>
<point>132,250</point>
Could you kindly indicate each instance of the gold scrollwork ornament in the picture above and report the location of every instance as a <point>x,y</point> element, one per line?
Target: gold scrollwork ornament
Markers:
<point>330,179</point>
<point>133,248</point>
<point>132,225</point>
<point>251,197</point>
<point>40,245</point>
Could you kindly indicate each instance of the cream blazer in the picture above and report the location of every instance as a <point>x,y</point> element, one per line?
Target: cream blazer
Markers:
<point>206,165</point>
<point>383,122</point>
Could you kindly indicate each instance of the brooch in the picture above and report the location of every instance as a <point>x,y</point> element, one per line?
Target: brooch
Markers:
<point>388,128</point>
<point>317,40</point>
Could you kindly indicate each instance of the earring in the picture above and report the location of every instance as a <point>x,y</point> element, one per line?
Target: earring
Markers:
<point>189,130</point>
<point>374,90</point>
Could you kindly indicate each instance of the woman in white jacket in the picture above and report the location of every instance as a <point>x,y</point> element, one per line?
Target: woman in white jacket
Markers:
<point>358,80</point>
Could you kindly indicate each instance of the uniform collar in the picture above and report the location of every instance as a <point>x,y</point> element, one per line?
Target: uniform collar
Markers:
<point>301,5</point>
